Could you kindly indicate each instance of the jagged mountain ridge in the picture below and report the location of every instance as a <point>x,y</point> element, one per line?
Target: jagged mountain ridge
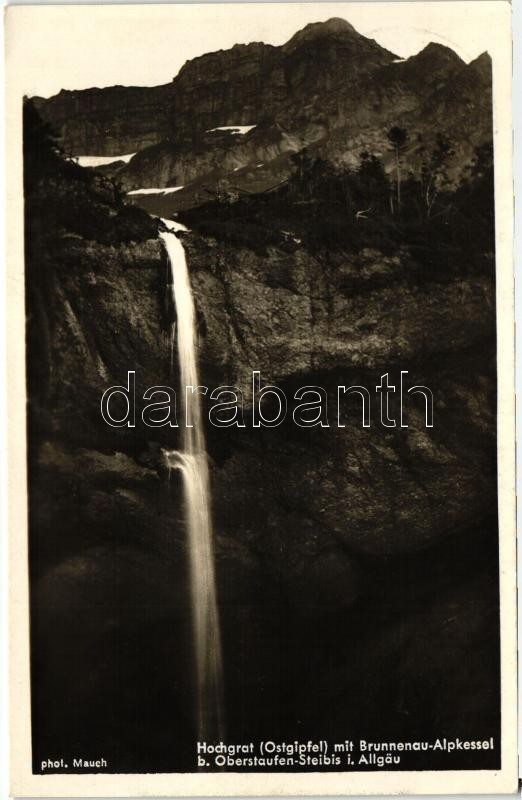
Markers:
<point>328,88</point>
<point>216,84</point>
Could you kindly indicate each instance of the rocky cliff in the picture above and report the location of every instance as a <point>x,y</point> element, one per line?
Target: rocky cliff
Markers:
<point>114,121</point>
<point>329,88</point>
<point>317,530</point>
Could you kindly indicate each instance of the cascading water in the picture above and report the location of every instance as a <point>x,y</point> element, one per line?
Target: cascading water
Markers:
<point>191,460</point>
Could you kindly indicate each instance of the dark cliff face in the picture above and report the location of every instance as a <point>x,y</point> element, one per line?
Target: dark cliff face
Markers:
<point>338,319</point>
<point>298,315</point>
<point>315,529</point>
<point>114,121</point>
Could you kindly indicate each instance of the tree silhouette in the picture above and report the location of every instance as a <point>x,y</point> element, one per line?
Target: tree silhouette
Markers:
<point>42,153</point>
<point>303,174</point>
<point>373,184</point>
<point>434,175</point>
<point>398,138</point>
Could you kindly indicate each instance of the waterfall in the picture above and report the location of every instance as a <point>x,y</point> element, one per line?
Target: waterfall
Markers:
<point>191,460</point>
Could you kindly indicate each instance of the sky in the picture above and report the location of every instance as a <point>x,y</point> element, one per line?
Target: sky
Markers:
<point>75,47</point>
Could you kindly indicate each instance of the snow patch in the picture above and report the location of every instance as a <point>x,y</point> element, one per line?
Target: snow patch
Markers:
<point>235,129</point>
<point>167,190</point>
<point>101,161</point>
<point>399,60</point>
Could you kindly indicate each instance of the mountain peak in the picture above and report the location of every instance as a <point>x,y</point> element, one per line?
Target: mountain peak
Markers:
<point>481,67</point>
<point>438,52</point>
<point>332,26</point>
<point>483,61</point>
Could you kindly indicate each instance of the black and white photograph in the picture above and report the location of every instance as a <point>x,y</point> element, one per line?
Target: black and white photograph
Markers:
<point>261,334</point>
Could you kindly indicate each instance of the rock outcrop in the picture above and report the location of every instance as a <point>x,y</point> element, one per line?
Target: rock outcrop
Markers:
<point>345,320</point>
<point>115,121</point>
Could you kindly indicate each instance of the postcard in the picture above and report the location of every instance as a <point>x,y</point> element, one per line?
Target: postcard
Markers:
<point>261,399</point>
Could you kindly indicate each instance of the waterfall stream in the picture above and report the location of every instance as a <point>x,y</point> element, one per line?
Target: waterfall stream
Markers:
<point>191,460</point>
